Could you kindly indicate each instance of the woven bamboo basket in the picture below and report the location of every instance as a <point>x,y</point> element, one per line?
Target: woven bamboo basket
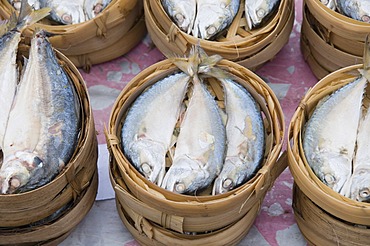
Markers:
<point>321,228</point>
<point>330,40</point>
<point>341,209</point>
<point>109,35</point>
<point>171,215</point>
<point>248,48</point>
<point>24,216</point>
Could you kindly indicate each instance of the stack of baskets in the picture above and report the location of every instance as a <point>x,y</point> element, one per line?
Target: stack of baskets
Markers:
<point>248,48</point>
<point>156,216</point>
<point>109,35</point>
<point>330,40</point>
<point>324,216</point>
<point>48,214</point>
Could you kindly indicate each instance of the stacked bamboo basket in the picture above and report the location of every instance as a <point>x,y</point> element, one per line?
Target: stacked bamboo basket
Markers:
<point>156,216</point>
<point>109,35</point>
<point>250,49</point>
<point>29,218</point>
<point>324,216</point>
<point>330,40</point>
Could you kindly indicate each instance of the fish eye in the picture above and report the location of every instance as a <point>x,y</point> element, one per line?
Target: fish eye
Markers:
<point>98,8</point>
<point>261,13</point>
<point>146,168</point>
<point>180,187</point>
<point>227,184</point>
<point>364,193</point>
<point>329,179</point>
<point>66,18</point>
<point>211,30</point>
<point>180,18</point>
<point>365,18</point>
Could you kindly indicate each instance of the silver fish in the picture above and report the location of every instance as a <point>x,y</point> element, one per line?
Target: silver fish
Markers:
<point>182,12</point>
<point>200,146</point>
<point>65,12</point>
<point>94,7</point>
<point>245,138</point>
<point>355,9</point>
<point>257,11</point>
<point>329,3</point>
<point>43,125</point>
<point>11,35</point>
<point>358,187</point>
<point>213,17</point>
<point>330,134</point>
<point>148,127</point>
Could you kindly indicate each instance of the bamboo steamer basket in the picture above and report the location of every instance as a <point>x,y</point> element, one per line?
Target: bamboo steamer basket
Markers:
<point>248,48</point>
<point>343,210</point>
<point>22,215</point>
<point>320,228</point>
<point>170,212</point>
<point>120,25</point>
<point>330,40</point>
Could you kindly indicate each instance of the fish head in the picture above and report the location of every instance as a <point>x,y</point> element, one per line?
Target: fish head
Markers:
<point>360,185</point>
<point>230,177</point>
<point>364,11</point>
<point>94,7</point>
<point>333,174</point>
<point>185,177</point>
<point>257,10</point>
<point>181,12</point>
<point>215,18</point>
<point>151,160</point>
<point>66,14</point>
<point>18,170</point>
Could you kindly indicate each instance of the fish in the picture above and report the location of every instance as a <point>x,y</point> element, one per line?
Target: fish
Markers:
<point>358,187</point>
<point>213,17</point>
<point>182,12</point>
<point>65,12</point>
<point>10,37</point>
<point>245,138</point>
<point>329,137</point>
<point>148,127</point>
<point>94,7</point>
<point>258,11</point>
<point>200,146</point>
<point>329,3</point>
<point>44,122</point>
<point>355,9</point>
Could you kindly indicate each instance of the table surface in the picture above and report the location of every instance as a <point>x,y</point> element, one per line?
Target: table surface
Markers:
<point>287,74</point>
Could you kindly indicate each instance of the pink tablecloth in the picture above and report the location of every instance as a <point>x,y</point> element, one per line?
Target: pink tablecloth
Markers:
<point>287,74</point>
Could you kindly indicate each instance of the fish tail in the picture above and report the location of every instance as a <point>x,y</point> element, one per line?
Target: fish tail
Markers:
<point>28,16</point>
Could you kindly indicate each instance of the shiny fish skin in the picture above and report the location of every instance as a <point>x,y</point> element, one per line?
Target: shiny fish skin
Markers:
<point>330,134</point>
<point>35,4</point>
<point>65,12</point>
<point>94,7</point>
<point>355,9</point>
<point>256,11</point>
<point>200,146</point>
<point>245,138</point>
<point>8,78</point>
<point>43,124</point>
<point>148,127</point>
<point>358,188</point>
<point>214,16</point>
<point>182,12</point>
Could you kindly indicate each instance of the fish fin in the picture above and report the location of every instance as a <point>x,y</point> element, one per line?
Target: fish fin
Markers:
<point>28,16</point>
<point>248,18</point>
